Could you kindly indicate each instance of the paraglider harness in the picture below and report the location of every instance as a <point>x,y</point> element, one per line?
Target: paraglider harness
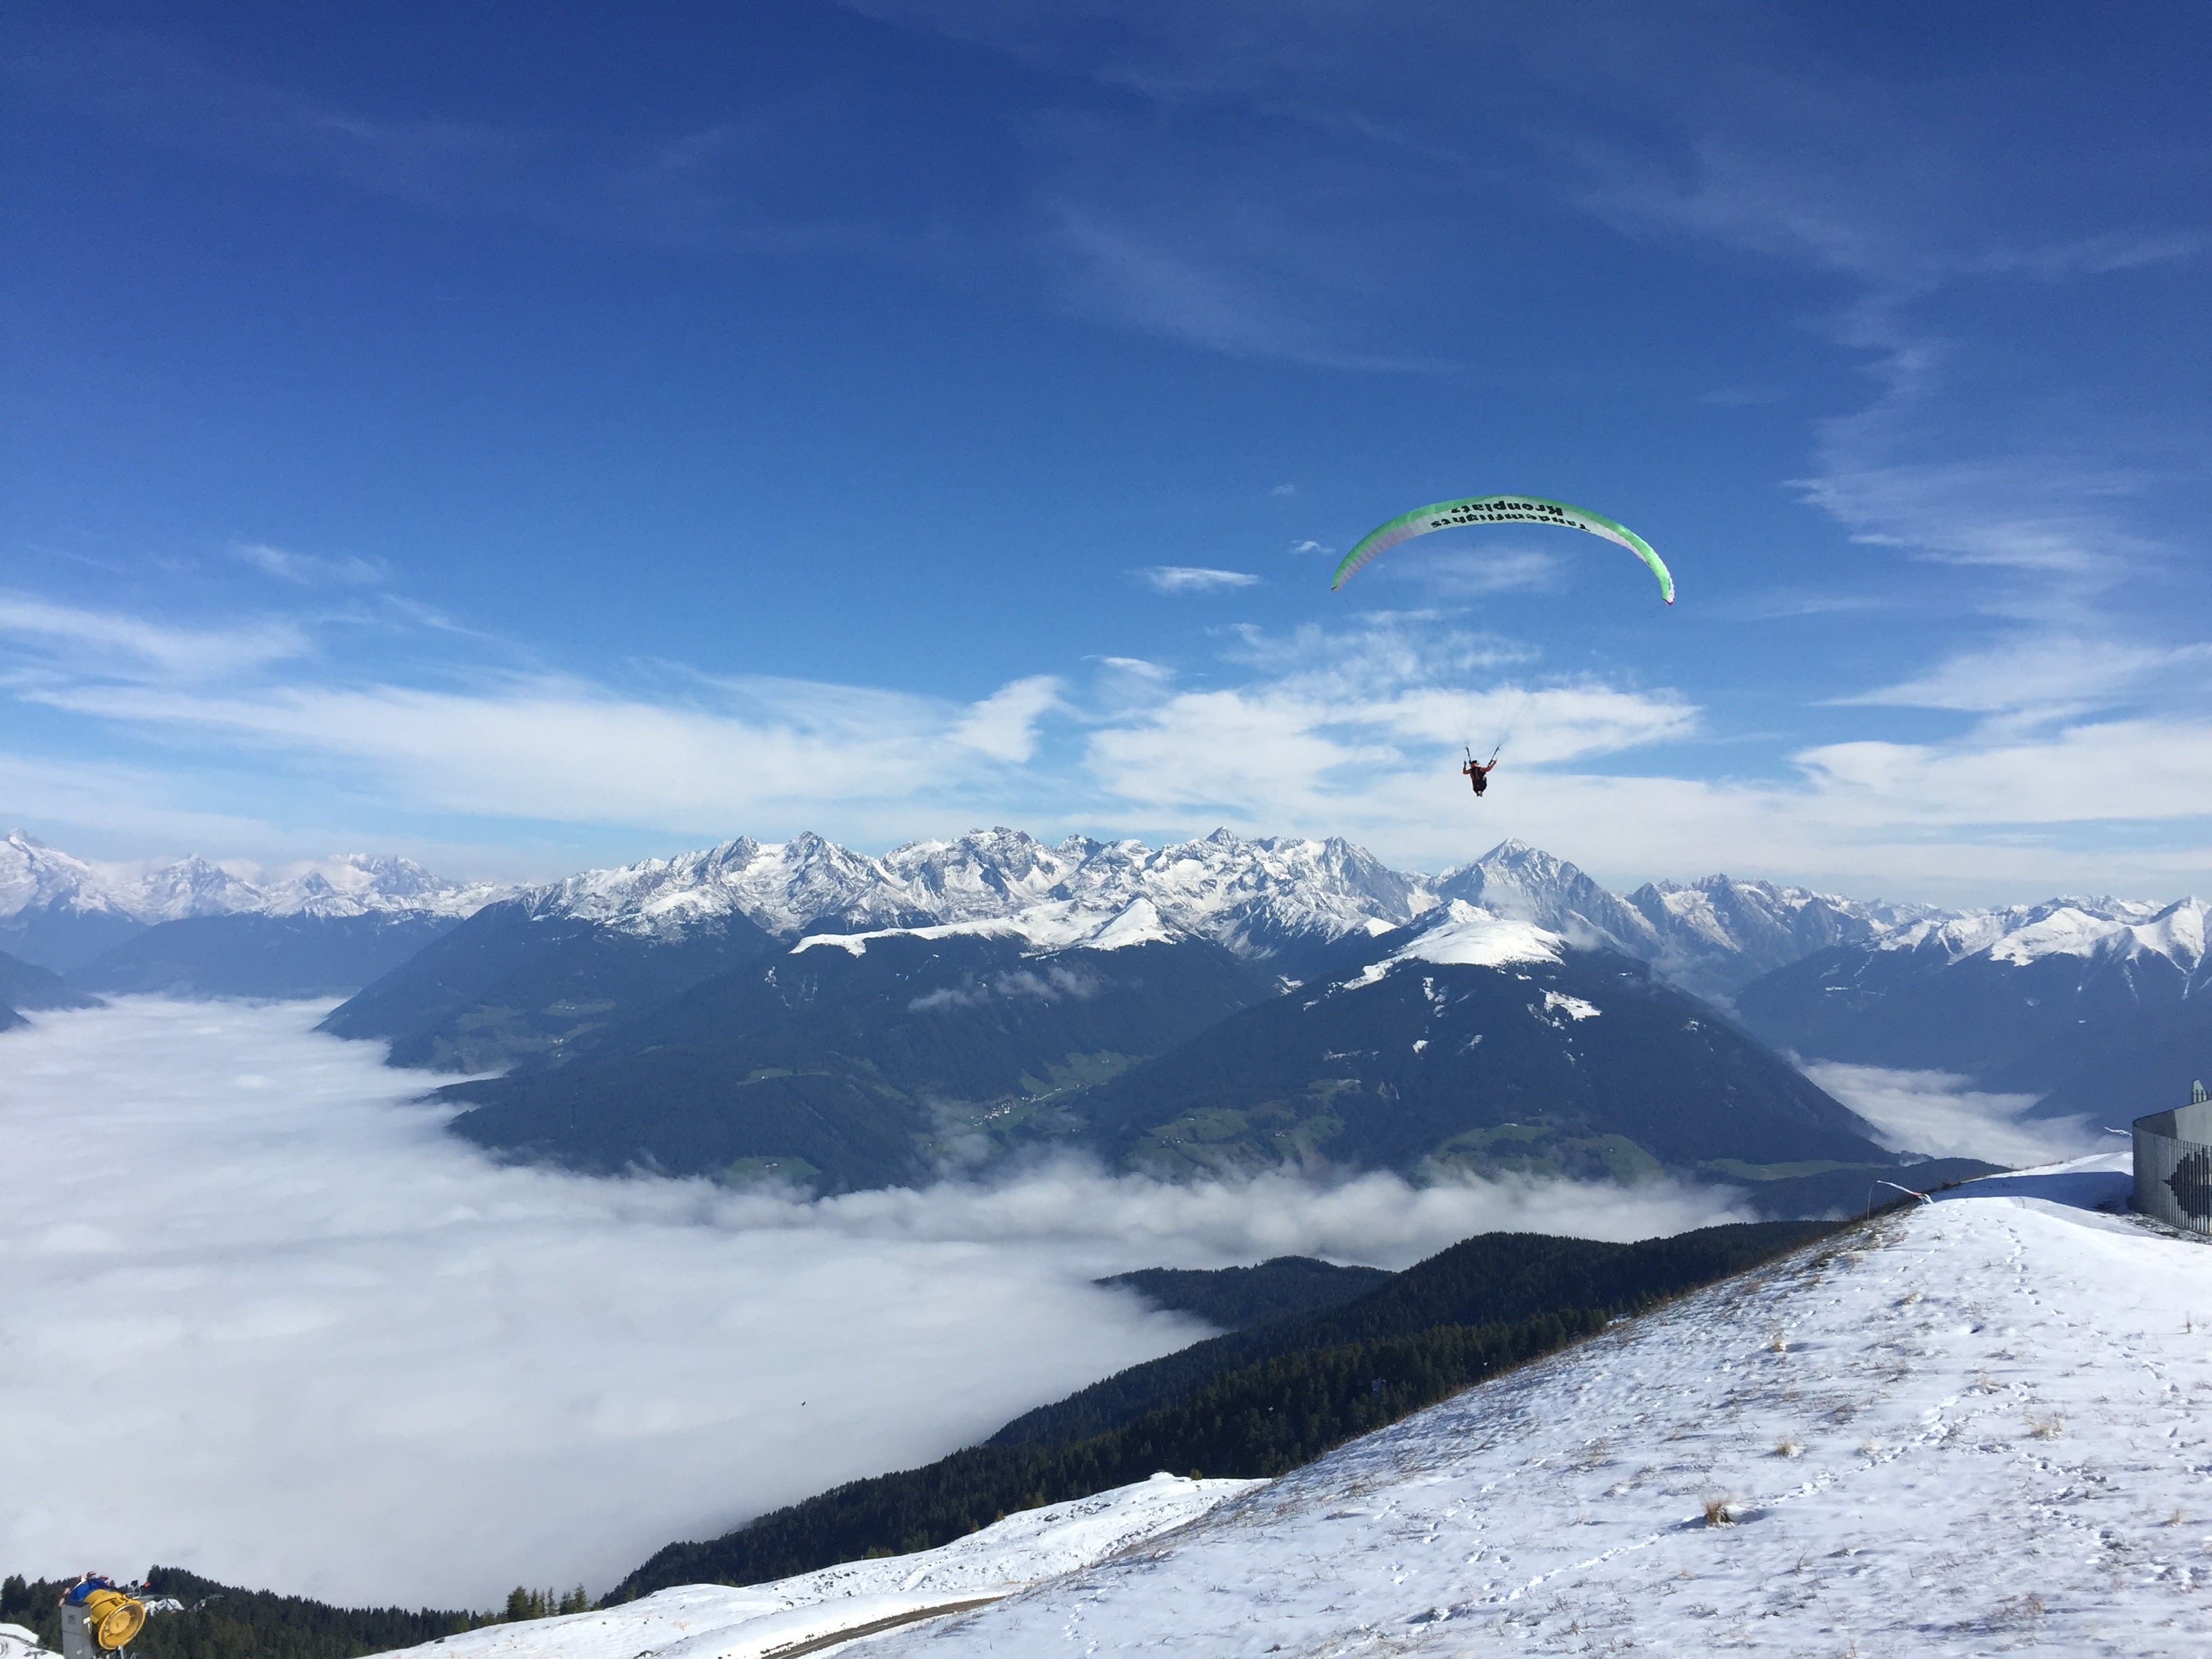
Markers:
<point>1478,772</point>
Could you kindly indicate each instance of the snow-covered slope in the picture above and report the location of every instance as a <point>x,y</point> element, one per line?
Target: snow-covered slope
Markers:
<point>714,1622</point>
<point>1469,935</point>
<point>1978,1426</point>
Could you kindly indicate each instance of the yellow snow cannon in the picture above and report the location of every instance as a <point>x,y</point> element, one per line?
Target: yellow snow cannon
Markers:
<point>98,1618</point>
<point>115,1618</point>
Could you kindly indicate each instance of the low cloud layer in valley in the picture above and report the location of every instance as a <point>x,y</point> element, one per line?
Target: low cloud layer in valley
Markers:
<point>1938,1113</point>
<point>318,1345</point>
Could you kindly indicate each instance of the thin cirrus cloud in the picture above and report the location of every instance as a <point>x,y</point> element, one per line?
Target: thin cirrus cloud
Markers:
<point>1193,579</point>
<point>569,750</point>
<point>306,1287</point>
<point>115,642</point>
<point>2045,675</point>
<point>309,569</point>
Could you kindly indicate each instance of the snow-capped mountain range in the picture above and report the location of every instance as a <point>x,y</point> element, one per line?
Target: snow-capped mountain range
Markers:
<point>36,877</point>
<point>1253,896</point>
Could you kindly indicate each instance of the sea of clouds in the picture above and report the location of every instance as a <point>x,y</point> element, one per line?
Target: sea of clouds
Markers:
<point>1942,1114</point>
<point>261,1317</point>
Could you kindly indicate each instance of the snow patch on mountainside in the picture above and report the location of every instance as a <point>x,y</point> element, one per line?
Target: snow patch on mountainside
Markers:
<point>714,1622</point>
<point>1058,925</point>
<point>1977,1426</point>
<point>1469,935</point>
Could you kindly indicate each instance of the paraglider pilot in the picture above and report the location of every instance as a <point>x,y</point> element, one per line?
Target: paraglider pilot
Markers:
<point>1478,774</point>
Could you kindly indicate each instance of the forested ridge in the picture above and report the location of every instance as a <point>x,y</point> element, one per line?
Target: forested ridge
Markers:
<point>1492,1278</point>
<point>1256,1403</point>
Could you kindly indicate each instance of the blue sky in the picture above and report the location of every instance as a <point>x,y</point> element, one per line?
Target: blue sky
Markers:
<point>536,436</point>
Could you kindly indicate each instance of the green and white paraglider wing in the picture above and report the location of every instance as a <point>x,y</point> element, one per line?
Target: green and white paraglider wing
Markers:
<point>1500,509</point>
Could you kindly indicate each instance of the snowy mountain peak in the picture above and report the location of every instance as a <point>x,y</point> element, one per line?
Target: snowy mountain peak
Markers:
<point>190,887</point>
<point>1526,883</point>
<point>35,876</point>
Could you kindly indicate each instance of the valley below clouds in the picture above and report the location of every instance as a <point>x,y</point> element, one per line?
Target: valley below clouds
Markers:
<point>309,1340</point>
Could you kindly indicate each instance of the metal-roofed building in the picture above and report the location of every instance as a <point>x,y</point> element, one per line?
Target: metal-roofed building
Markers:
<point>2173,1163</point>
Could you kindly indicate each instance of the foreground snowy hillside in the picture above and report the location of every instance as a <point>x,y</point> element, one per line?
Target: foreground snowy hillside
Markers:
<point>1976,1427</point>
<point>794,1613</point>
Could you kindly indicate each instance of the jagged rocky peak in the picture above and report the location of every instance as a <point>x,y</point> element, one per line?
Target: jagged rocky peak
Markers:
<point>983,873</point>
<point>1756,918</point>
<point>1527,884</point>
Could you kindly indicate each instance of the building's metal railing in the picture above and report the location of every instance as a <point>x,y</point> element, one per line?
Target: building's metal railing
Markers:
<point>2173,1163</point>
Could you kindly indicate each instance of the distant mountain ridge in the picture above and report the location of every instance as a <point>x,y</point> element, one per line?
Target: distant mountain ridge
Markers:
<point>2100,1007</point>
<point>530,976</point>
<point>1257,897</point>
<point>61,911</point>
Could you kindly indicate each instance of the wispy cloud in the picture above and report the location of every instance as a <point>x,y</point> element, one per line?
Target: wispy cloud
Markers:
<point>761,751</point>
<point>2047,676</point>
<point>750,183</point>
<point>103,640</point>
<point>1193,579</point>
<point>309,569</point>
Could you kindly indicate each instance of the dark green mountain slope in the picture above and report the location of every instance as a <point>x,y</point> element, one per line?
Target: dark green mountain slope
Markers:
<point>847,1069</point>
<point>25,985</point>
<point>1233,1298</point>
<point>59,938</point>
<point>251,955</point>
<point>511,984</point>
<point>1582,1065</point>
<point>1261,1417</point>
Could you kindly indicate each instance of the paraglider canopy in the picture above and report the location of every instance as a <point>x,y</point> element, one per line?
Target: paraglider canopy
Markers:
<point>1500,509</point>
